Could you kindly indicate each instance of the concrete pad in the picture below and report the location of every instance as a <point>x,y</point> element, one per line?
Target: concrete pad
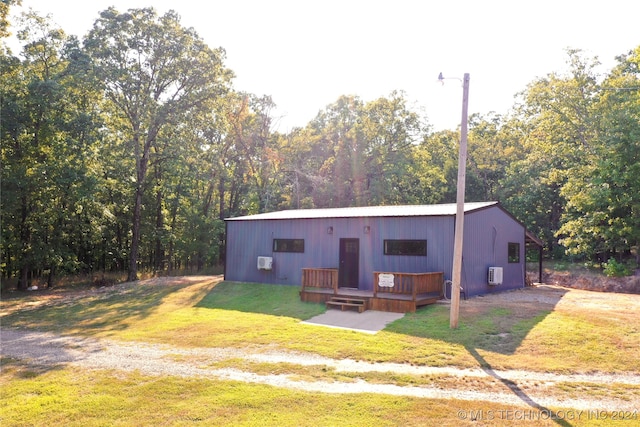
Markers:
<point>369,321</point>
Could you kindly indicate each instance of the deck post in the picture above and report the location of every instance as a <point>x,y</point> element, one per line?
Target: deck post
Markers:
<point>414,288</point>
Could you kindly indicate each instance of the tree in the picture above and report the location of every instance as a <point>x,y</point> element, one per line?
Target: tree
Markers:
<point>4,13</point>
<point>197,183</point>
<point>435,166</point>
<point>303,157</point>
<point>48,131</point>
<point>257,147</point>
<point>153,70</point>
<point>335,131</point>
<point>558,134</point>
<point>390,132</point>
<point>602,218</point>
<point>492,148</point>
<point>358,154</point>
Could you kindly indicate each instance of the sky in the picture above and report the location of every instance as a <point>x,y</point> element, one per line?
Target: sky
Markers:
<point>305,54</point>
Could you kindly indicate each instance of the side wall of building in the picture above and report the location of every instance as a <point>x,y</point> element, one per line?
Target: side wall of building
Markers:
<point>487,235</point>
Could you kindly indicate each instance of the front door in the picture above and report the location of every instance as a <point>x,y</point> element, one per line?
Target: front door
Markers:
<point>349,263</point>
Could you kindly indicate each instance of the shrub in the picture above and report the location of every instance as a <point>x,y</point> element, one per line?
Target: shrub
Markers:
<point>613,268</point>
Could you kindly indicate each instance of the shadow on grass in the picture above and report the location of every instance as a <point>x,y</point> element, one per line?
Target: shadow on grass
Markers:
<point>19,369</point>
<point>274,300</point>
<point>497,322</point>
<point>31,354</point>
<point>97,310</point>
<point>521,394</point>
<point>34,330</point>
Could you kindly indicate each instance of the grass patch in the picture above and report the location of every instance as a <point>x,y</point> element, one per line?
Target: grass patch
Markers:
<point>75,397</point>
<point>570,331</point>
<point>98,311</point>
<point>293,371</point>
<point>493,329</point>
<point>627,392</point>
<point>560,335</point>
<point>575,341</point>
<point>262,299</point>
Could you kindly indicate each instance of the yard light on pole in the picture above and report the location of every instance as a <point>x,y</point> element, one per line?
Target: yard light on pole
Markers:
<point>456,274</point>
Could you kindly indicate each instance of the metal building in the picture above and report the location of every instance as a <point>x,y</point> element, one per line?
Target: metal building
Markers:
<point>358,242</point>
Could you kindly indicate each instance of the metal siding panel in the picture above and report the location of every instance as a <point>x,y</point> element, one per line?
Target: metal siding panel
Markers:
<point>321,248</point>
<point>247,240</point>
<point>486,238</point>
<point>440,253</point>
<point>234,256</point>
<point>484,247</point>
<point>438,231</point>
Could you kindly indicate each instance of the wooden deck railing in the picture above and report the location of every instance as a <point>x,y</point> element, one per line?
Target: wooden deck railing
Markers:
<point>408,284</point>
<point>394,292</point>
<point>323,279</point>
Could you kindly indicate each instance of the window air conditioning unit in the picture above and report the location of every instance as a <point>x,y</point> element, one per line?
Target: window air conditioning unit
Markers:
<point>265,263</point>
<point>495,276</point>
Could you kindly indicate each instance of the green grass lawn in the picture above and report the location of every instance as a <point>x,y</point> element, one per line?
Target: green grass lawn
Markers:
<point>212,314</point>
<point>73,397</point>
<point>558,337</point>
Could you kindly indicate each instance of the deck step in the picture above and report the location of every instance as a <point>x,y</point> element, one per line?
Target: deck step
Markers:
<point>347,302</point>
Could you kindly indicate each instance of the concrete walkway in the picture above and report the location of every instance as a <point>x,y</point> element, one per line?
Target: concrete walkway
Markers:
<point>370,321</point>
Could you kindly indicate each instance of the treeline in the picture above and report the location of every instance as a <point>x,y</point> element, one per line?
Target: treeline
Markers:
<point>127,149</point>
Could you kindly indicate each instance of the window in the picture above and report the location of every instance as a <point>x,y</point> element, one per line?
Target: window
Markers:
<point>514,252</point>
<point>288,245</point>
<point>405,247</point>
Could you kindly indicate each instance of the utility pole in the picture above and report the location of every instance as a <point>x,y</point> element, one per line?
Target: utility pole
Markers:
<point>456,275</point>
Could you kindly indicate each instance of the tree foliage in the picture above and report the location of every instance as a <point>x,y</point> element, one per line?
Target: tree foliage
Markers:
<point>602,216</point>
<point>49,131</point>
<point>127,150</point>
<point>4,14</point>
<point>153,71</point>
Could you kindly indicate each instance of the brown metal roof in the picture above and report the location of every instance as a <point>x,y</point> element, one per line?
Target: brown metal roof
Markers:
<point>367,211</point>
<point>532,238</point>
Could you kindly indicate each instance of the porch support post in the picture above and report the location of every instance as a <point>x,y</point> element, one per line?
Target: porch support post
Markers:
<point>539,264</point>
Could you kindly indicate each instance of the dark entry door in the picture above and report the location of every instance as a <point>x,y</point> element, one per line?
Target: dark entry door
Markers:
<point>349,263</point>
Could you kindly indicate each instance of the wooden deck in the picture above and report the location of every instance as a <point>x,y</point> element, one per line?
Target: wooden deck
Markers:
<point>393,292</point>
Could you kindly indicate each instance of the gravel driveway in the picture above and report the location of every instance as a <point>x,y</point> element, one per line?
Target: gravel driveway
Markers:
<point>38,348</point>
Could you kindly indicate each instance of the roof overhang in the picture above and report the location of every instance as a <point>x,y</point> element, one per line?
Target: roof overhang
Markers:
<point>531,238</point>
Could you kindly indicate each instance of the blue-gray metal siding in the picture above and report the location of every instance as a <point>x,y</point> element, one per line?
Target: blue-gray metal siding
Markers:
<point>487,234</point>
<point>246,240</point>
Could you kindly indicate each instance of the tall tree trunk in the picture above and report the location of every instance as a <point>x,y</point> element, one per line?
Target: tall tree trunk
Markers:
<point>159,252</point>
<point>23,278</point>
<point>221,215</point>
<point>52,272</point>
<point>135,236</point>
<point>25,242</point>
<point>174,214</point>
<point>142,162</point>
